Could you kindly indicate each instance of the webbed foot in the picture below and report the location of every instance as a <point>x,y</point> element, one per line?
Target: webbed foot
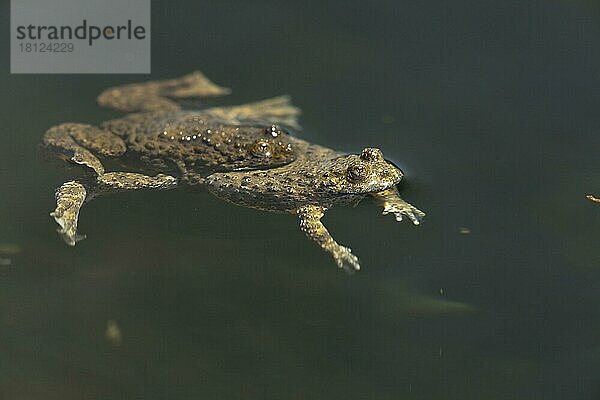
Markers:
<point>345,259</point>
<point>403,208</point>
<point>393,204</point>
<point>276,110</point>
<point>194,84</point>
<point>157,95</point>
<point>69,199</point>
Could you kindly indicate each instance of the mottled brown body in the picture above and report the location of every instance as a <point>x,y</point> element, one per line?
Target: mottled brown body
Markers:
<point>240,154</point>
<point>196,142</point>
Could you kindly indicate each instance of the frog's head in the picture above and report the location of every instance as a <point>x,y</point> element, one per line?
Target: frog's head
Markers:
<point>365,173</point>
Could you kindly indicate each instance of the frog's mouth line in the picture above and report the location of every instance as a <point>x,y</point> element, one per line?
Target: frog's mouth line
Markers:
<point>373,187</point>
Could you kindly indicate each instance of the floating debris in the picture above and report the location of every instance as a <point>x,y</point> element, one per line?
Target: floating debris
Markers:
<point>464,231</point>
<point>388,119</point>
<point>399,300</point>
<point>113,333</point>
<point>593,198</point>
<point>9,249</point>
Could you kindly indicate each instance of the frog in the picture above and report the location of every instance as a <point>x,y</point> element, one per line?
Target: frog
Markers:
<point>248,155</point>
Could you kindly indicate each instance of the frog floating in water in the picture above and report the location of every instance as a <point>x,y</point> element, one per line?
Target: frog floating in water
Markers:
<point>239,154</point>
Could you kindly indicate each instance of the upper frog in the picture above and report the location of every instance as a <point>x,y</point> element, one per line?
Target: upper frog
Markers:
<point>243,154</point>
<point>202,143</point>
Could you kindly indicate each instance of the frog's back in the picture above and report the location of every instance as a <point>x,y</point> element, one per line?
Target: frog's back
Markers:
<point>198,142</point>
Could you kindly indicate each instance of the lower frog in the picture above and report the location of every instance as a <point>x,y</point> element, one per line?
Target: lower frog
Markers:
<point>242,154</point>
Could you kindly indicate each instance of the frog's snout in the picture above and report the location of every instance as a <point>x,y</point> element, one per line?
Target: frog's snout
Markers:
<point>385,171</point>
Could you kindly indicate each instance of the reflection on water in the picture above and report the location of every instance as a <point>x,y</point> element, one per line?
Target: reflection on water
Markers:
<point>490,110</point>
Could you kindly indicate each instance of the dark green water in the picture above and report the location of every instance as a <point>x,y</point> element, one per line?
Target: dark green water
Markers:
<point>491,108</point>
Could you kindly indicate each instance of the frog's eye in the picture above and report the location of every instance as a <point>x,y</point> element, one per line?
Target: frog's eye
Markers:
<point>371,154</point>
<point>261,148</point>
<point>357,173</point>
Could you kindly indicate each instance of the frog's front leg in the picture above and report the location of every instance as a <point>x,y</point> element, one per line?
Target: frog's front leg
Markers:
<point>71,196</point>
<point>391,202</point>
<point>157,95</point>
<point>310,223</point>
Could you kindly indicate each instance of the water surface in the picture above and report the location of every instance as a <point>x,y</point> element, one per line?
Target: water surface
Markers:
<point>491,108</point>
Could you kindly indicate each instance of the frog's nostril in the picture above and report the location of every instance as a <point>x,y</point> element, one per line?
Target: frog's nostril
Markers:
<point>371,154</point>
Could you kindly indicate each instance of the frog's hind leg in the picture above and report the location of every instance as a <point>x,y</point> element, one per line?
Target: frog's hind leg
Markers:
<point>310,223</point>
<point>63,139</point>
<point>125,181</point>
<point>276,110</point>
<point>75,141</point>
<point>71,196</point>
<point>158,95</point>
<point>392,203</point>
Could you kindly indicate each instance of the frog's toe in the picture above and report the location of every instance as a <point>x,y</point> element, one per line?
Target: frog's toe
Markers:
<point>413,213</point>
<point>391,209</point>
<point>346,260</point>
<point>67,227</point>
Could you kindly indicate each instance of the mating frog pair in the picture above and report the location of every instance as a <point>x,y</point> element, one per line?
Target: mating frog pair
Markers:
<point>241,154</point>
